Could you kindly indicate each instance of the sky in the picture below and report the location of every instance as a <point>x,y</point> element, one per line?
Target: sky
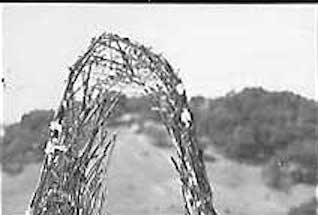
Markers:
<point>216,48</point>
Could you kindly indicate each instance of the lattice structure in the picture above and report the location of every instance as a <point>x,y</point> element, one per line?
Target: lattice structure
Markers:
<point>73,174</point>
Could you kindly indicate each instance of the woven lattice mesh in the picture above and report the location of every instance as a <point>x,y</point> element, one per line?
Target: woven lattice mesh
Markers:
<point>73,174</point>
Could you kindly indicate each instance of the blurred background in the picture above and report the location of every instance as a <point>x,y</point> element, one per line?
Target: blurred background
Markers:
<point>250,74</point>
<point>259,148</point>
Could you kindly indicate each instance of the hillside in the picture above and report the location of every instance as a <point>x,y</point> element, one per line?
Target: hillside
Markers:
<point>142,181</point>
<point>265,140</point>
<point>253,126</point>
<point>259,127</point>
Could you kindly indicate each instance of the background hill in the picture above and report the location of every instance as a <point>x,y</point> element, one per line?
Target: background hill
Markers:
<point>257,143</point>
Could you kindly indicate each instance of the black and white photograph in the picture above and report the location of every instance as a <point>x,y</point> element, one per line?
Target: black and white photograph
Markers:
<point>158,109</point>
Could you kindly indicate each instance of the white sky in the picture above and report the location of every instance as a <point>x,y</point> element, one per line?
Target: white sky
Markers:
<point>217,48</point>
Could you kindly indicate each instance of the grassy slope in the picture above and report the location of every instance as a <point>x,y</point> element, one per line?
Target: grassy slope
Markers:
<point>17,190</point>
<point>143,181</point>
<point>240,190</point>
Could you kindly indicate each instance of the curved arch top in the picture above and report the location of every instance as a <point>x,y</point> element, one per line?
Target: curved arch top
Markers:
<point>111,66</point>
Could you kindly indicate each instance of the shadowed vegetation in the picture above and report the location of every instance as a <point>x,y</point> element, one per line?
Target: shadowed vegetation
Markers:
<point>307,208</point>
<point>254,126</point>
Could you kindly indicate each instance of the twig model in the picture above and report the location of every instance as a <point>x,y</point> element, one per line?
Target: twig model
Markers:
<point>73,175</point>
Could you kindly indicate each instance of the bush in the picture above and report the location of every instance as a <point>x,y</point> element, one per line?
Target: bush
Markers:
<point>158,135</point>
<point>307,208</point>
<point>277,177</point>
<point>254,125</point>
<point>22,141</point>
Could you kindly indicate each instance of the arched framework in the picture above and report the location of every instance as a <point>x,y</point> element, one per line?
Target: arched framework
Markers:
<point>72,179</point>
